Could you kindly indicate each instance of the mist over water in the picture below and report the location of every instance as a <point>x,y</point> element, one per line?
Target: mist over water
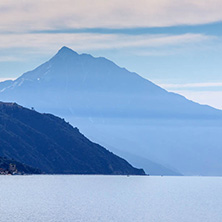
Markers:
<point>187,146</point>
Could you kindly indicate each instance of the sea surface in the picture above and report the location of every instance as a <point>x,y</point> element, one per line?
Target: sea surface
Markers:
<point>55,198</point>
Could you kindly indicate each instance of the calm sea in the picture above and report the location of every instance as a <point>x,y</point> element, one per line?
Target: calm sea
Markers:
<point>49,198</point>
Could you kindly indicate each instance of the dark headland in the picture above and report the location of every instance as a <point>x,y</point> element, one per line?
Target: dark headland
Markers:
<point>50,144</point>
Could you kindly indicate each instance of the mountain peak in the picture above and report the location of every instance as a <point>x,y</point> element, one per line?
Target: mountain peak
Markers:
<point>66,51</point>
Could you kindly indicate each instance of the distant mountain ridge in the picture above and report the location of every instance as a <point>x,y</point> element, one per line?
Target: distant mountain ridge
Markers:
<point>120,109</point>
<point>96,84</point>
<point>50,144</point>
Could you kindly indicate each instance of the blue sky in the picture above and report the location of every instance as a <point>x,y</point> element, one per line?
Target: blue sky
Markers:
<point>176,44</point>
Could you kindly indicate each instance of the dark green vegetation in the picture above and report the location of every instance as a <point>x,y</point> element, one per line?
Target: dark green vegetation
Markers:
<point>20,168</point>
<point>52,145</point>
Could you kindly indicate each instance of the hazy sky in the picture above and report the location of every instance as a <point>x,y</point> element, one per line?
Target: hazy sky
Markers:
<point>176,44</point>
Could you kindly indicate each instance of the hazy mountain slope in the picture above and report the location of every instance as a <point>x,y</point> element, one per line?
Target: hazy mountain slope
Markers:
<point>192,147</point>
<point>49,143</point>
<point>151,167</point>
<point>5,84</point>
<point>125,111</point>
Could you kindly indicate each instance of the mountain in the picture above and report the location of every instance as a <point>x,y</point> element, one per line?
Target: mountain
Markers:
<point>5,84</point>
<point>86,86</point>
<point>50,144</point>
<point>20,167</point>
<point>124,112</point>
